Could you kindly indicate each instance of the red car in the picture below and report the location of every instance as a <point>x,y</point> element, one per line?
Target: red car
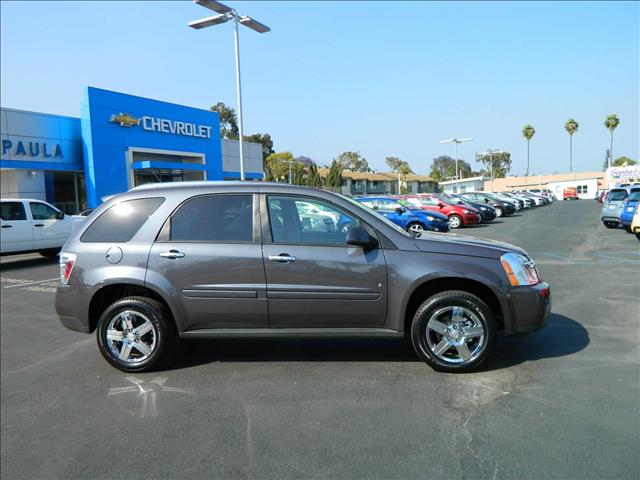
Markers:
<point>459,216</point>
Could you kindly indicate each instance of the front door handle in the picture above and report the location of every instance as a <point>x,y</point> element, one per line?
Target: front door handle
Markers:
<point>7,226</point>
<point>39,225</point>
<point>172,254</point>
<point>282,258</point>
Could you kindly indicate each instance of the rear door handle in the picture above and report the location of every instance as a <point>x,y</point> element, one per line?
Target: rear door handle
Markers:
<point>172,254</point>
<point>282,258</point>
<point>7,226</point>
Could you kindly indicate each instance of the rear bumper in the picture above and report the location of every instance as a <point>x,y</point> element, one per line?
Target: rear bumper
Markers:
<point>530,307</point>
<point>72,306</point>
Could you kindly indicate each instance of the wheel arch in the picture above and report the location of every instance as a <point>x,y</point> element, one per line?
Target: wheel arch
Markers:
<point>108,294</point>
<point>433,286</point>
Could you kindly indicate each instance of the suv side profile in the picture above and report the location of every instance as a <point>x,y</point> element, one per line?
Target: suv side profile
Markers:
<point>198,259</point>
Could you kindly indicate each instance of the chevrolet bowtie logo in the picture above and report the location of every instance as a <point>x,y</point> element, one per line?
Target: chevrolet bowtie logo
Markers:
<point>125,120</point>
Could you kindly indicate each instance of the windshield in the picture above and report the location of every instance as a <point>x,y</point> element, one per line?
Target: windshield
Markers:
<point>635,196</point>
<point>617,195</point>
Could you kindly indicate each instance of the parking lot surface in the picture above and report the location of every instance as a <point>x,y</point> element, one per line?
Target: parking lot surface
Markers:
<point>561,403</point>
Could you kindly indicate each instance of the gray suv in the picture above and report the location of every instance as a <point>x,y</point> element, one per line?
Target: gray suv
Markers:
<point>197,259</point>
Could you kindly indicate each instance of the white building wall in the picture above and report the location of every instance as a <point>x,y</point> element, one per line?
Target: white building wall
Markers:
<point>22,184</point>
<point>474,185</point>
<point>587,190</point>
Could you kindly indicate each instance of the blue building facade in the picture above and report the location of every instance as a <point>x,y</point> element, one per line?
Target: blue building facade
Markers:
<point>119,142</point>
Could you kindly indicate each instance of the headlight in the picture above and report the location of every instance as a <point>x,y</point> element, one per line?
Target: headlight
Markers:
<point>430,218</point>
<point>519,269</point>
<point>467,211</point>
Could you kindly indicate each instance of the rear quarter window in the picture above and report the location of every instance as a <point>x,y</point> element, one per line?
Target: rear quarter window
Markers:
<point>121,221</point>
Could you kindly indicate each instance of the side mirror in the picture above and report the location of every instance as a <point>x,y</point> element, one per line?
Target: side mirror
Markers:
<point>359,237</point>
<point>440,205</point>
<point>399,210</point>
<point>59,215</point>
<point>486,200</point>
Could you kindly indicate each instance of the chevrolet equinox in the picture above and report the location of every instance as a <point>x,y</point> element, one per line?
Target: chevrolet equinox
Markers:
<point>168,261</point>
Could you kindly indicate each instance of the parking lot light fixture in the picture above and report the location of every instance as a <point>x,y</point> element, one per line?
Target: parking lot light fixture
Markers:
<point>489,153</point>
<point>226,13</point>
<point>457,141</point>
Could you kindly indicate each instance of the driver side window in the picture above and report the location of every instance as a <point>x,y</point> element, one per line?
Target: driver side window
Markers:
<point>308,221</point>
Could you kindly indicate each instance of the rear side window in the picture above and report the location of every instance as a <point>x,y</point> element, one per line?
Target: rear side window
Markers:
<point>214,218</point>
<point>121,221</point>
<point>10,211</point>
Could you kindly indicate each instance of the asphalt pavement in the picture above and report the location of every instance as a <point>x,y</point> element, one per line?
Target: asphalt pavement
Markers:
<point>561,403</point>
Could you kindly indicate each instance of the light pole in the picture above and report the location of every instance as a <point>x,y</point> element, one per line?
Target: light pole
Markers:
<point>457,141</point>
<point>225,14</point>
<point>490,153</point>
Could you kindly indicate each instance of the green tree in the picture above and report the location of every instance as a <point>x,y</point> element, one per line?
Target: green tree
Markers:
<point>623,162</point>
<point>528,132</point>
<point>353,161</point>
<point>444,168</point>
<point>265,140</point>
<point>228,121</point>
<point>334,177</point>
<point>501,163</point>
<point>611,122</point>
<point>571,127</point>
<point>313,177</point>
<point>396,165</point>
<point>277,166</point>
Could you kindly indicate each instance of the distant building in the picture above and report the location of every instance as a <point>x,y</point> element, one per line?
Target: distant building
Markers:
<point>381,183</point>
<point>471,184</point>
<point>586,183</point>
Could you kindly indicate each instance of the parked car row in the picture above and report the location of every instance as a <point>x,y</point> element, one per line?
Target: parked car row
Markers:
<point>620,208</point>
<point>441,212</point>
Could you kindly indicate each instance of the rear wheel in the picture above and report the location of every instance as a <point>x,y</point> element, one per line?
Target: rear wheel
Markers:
<point>627,228</point>
<point>455,221</point>
<point>453,331</point>
<point>136,334</point>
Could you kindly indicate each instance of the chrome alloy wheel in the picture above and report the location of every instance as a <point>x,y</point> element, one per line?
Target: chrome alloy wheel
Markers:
<point>416,227</point>
<point>131,337</point>
<point>455,335</point>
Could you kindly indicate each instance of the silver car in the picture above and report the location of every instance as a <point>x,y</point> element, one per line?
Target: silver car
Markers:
<point>612,206</point>
<point>202,259</point>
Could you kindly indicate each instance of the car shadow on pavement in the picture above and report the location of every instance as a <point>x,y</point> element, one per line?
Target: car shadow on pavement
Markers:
<point>561,337</point>
<point>294,349</point>
<point>15,265</point>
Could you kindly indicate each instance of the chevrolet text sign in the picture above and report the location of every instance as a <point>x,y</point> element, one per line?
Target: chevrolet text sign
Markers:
<point>176,127</point>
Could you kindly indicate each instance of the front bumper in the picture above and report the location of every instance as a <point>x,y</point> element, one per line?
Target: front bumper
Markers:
<point>440,226</point>
<point>72,306</point>
<point>488,216</point>
<point>470,219</point>
<point>530,307</point>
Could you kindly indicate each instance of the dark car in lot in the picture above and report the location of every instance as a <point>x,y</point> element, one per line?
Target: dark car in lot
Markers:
<point>502,207</point>
<point>201,259</point>
<point>487,212</point>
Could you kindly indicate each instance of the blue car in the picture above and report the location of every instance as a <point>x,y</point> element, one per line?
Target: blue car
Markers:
<point>628,209</point>
<point>405,217</point>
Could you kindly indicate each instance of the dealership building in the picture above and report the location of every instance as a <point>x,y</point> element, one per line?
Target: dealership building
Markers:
<point>119,141</point>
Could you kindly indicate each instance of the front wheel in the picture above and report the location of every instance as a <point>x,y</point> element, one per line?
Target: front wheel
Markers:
<point>455,221</point>
<point>136,334</point>
<point>499,212</point>
<point>453,331</point>
<point>416,227</point>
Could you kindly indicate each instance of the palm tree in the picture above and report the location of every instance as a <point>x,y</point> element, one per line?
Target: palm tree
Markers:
<point>611,122</point>
<point>571,127</point>
<point>528,132</point>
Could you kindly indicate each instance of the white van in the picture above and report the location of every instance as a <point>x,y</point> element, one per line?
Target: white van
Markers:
<point>28,225</point>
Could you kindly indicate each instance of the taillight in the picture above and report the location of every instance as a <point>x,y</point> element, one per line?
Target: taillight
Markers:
<point>67,261</point>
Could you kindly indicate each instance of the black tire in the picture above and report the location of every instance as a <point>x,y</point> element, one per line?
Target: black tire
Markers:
<point>499,212</point>
<point>609,224</point>
<point>627,228</point>
<point>50,253</point>
<point>417,227</point>
<point>479,349</point>
<point>457,219</point>
<point>638,235</point>
<point>165,333</point>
